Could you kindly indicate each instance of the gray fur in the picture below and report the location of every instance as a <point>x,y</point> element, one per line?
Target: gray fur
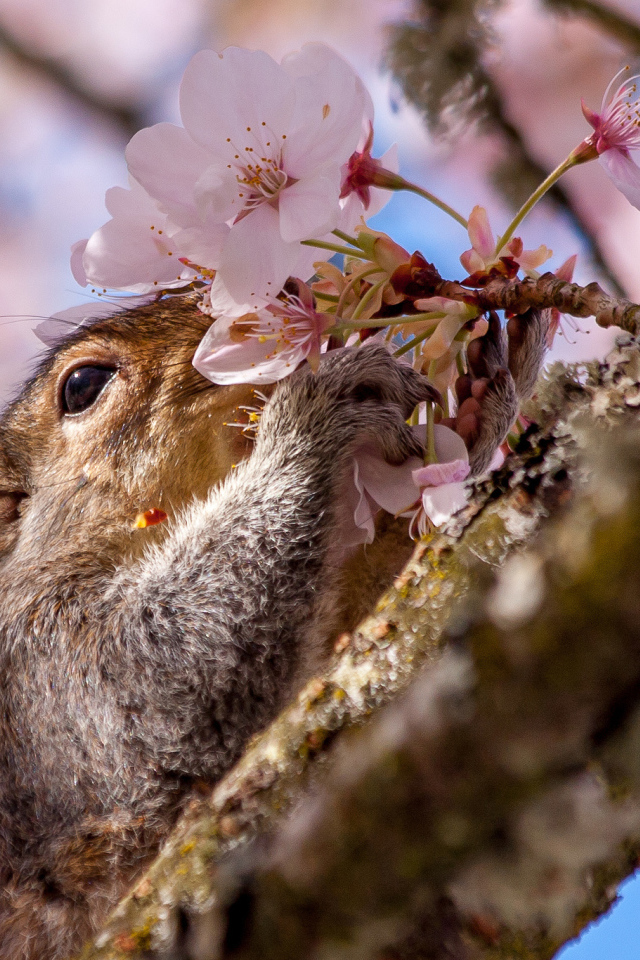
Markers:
<point>511,362</point>
<point>134,668</point>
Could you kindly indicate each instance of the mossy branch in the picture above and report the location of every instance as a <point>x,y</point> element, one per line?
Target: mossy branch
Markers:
<point>424,824</point>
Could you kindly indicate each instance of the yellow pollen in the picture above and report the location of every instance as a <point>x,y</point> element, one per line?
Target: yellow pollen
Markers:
<point>248,129</point>
<point>153,228</point>
<point>325,111</point>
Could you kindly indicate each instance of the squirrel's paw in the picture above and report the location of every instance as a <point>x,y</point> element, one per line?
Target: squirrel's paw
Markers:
<point>357,396</point>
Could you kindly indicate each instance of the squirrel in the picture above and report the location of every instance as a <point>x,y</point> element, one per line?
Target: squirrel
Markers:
<point>137,663</point>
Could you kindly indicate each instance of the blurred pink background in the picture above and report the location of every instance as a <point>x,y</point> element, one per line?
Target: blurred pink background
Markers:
<point>58,156</point>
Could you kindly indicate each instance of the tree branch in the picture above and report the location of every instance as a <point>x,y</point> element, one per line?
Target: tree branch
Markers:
<point>446,813</point>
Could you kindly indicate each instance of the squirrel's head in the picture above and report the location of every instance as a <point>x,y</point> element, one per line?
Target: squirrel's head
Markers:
<point>116,422</point>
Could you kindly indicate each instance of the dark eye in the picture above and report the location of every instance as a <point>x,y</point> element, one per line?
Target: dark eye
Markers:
<point>83,387</point>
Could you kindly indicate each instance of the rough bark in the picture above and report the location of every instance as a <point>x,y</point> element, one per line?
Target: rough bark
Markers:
<point>491,808</point>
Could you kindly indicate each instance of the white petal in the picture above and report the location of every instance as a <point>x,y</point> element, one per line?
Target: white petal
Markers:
<point>222,304</point>
<point>77,266</point>
<point>168,164</point>
<point>223,361</point>
<point>256,261</point>
<point>217,194</point>
<point>391,486</point>
<point>221,95</point>
<point>449,444</point>
<point>203,244</point>
<point>310,207</point>
<point>624,173</point>
<point>127,255</point>
<point>440,503</point>
<point>362,511</point>
<point>330,105</point>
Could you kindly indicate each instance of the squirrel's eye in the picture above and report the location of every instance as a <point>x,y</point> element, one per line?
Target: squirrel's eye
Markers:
<point>83,387</point>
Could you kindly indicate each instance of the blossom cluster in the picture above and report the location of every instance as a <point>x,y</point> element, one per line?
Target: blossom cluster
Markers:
<point>270,176</point>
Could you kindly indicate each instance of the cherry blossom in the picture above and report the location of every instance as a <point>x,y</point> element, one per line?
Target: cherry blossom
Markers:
<point>564,272</point>
<point>263,345</point>
<point>616,134</point>
<point>262,149</point>
<point>438,487</point>
<point>140,248</point>
<point>483,260</point>
<point>366,182</point>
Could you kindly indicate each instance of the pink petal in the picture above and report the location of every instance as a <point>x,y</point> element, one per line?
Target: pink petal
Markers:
<point>565,272</point>
<point>256,261</point>
<point>168,164</point>
<point>442,337</point>
<point>330,104</point>
<point>202,245</point>
<point>310,207</point>
<point>222,95</point>
<point>223,360</point>
<point>77,267</point>
<point>480,233</point>
<point>222,304</point>
<point>392,487</point>
<point>218,195</point>
<point>126,253</point>
<point>624,173</point>
<point>449,444</point>
<point>437,474</point>
<point>532,259</point>
<point>361,509</point>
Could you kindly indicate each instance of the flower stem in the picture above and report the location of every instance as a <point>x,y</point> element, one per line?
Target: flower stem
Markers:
<point>430,455</point>
<point>324,245</point>
<point>345,237</point>
<point>414,343</point>
<point>331,297</point>
<point>526,208</point>
<point>355,278</point>
<point>367,298</point>
<point>426,195</point>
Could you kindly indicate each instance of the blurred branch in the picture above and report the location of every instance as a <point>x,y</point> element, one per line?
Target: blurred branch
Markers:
<point>613,21</point>
<point>474,796</point>
<point>438,62</point>
<point>128,118</point>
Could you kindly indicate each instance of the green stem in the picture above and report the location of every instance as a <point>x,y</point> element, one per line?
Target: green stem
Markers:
<point>367,298</point>
<point>345,237</point>
<point>393,322</point>
<point>410,344</point>
<point>426,195</point>
<point>324,245</point>
<point>430,455</point>
<point>355,278</point>
<point>546,185</point>
<point>331,297</point>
